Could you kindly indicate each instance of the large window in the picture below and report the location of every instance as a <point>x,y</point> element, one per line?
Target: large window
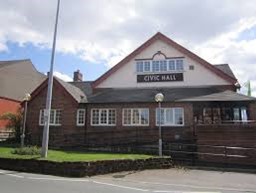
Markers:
<point>217,115</point>
<point>168,65</point>
<point>135,117</point>
<point>170,116</point>
<point>103,117</point>
<point>81,117</point>
<point>55,117</point>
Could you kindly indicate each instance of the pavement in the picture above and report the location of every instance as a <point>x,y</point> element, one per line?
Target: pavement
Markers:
<point>154,181</point>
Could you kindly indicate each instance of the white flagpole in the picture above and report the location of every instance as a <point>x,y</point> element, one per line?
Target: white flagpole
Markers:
<point>49,93</point>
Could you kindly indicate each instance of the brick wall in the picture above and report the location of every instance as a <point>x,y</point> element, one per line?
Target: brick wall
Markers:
<point>68,134</point>
<point>119,134</point>
<point>252,111</point>
<point>82,169</point>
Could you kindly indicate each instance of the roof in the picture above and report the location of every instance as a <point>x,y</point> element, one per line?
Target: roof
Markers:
<point>226,69</point>
<point>109,95</point>
<point>160,36</point>
<point>74,91</point>
<point>18,77</point>
<point>84,86</point>
<point>227,95</point>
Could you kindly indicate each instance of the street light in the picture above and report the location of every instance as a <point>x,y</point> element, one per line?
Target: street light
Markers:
<point>159,97</point>
<point>26,99</point>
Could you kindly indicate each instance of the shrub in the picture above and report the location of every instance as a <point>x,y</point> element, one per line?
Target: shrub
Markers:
<point>34,150</point>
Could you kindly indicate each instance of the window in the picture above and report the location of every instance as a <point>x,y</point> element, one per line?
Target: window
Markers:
<point>170,116</point>
<point>244,114</point>
<point>81,117</point>
<point>179,65</point>
<point>159,65</point>
<point>218,115</point>
<point>147,66</point>
<point>171,65</point>
<point>163,66</point>
<point>133,117</point>
<point>140,66</point>
<point>103,117</point>
<point>156,66</point>
<point>236,113</point>
<point>55,117</point>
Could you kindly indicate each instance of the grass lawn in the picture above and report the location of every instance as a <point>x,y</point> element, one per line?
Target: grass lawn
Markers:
<point>62,155</point>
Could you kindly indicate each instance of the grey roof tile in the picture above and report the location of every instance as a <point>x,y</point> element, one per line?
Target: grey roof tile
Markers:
<point>74,91</point>
<point>170,94</point>
<point>227,95</point>
<point>225,68</point>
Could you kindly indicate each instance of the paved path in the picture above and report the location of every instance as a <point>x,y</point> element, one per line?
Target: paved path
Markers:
<point>156,181</point>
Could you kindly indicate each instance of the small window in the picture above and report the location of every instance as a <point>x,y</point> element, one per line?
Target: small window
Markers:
<point>147,66</point>
<point>244,116</point>
<point>156,66</point>
<point>179,65</point>
<point>81,117</point>
<point>95,116</point>
<point>140,66</point>
<point>191,67</point>
<point>163,66</point>
<point>236,112</point>
<point>171,65</point>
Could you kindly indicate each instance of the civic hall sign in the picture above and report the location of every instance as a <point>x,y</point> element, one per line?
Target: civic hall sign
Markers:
<point>160,77</point>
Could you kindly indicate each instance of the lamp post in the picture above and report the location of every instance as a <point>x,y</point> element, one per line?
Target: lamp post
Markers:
<point>26,99</point>
<point>159,97</point>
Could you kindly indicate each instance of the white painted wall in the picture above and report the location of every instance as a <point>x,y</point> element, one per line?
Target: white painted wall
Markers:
<point>126,76</point>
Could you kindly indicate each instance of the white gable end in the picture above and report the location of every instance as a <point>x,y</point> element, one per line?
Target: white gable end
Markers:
<point>127,75</point>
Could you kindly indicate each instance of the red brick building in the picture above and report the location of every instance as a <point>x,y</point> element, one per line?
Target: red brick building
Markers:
<point>17,77</point>
<point>119,107</point>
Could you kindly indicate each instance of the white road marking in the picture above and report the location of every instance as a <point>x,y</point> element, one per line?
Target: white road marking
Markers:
<point>14,175</point>
<point>164,191</point>
<point>119,186</point>
<point>58,179</point>
<point>184,185</point>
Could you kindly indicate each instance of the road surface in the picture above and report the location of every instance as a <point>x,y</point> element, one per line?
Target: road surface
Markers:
<point>152,181</point>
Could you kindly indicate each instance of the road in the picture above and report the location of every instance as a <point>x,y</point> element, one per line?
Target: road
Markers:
<point>156,181</point>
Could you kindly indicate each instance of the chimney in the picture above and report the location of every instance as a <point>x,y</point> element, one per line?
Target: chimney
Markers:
<point>77,76</point>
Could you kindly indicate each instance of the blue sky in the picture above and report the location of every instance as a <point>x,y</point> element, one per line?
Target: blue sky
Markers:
<point>65,63</point>
<point>93,38</point>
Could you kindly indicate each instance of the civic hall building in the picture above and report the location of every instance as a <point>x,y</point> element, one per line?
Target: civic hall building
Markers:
<point>201,104</point>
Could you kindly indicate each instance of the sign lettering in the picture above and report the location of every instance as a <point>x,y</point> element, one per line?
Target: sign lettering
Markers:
<point>160,77</point>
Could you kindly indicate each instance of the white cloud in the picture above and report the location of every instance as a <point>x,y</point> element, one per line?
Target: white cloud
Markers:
<point>62,76</point>
<point>107,33</point>
<point>229,48</point>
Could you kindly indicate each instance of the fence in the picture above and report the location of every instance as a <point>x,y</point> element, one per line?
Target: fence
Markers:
<point>212,155</point>
<point>4,135</point>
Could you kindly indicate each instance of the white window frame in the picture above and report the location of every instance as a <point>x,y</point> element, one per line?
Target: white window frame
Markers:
<point>99,117</point>
<point>173,109</point>
<point>41,113</point>
<point>84,118</point>
<point>142,63</point>
<point>131,116</point>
